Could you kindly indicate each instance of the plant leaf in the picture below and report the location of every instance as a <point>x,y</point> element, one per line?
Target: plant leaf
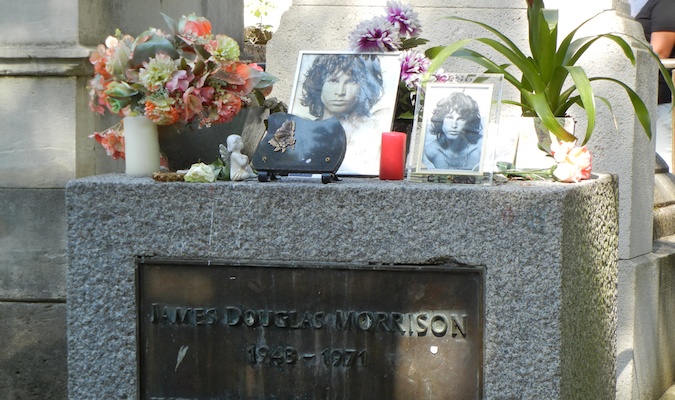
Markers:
<point>547,42</point>
<point>563,50</point>
<point>525,64</point>
<point>583,86</point>
<point>664,71</point>
<point>543,110</point>
<point>155,44</point>
<point>579,47</point>
<point>440,54</point>
<point>494,31</point>
<point>171,23</point>
<point>639,106</point>
<point>524,107</point>
<point>487,63</point>
<point>410,43</point>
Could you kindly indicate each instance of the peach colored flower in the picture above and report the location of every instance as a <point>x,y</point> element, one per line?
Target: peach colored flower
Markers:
<point>193,26</point>
<point>226,107</point>
<point>98,59</point>
<point>162,111</point>
<point>241,77</point>
<point>574,164</point>
<point>112,140</point>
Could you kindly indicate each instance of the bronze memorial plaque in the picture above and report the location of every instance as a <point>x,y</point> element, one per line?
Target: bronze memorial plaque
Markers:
<point>232,330</point>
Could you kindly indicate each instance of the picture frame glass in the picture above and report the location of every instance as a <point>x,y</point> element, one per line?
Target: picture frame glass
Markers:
<point>454,126</point>
<point>360,90</point>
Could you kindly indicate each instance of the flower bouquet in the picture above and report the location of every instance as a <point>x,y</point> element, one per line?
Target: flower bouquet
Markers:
<point>186,75</point>
<point>399,30</point>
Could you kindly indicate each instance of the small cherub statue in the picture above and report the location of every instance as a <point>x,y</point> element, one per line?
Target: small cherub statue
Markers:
<point>239,166</point>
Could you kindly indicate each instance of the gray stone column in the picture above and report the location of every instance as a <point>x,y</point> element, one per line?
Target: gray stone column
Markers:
<point>44,67</point>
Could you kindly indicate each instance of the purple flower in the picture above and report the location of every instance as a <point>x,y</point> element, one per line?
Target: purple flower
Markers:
<point>404,19</point>
<point>376,34</point>
<point>413,65</point>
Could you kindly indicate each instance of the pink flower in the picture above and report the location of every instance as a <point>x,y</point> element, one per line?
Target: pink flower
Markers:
<point>376,34</point>
<point>179,80</point>
<point>413,65</point>
<point>194,100</point>
<point>442,76</point>
<point>404,19</point>
<point>574,164</point>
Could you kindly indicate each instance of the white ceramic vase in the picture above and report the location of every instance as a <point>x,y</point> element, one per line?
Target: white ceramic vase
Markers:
<point>141,146</point>
<point>532,137</point>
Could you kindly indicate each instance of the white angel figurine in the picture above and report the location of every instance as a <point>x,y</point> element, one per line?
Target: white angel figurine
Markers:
<point>239,166</point>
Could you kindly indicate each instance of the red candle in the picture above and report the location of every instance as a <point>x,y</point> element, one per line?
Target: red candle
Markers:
<point>392,156</point>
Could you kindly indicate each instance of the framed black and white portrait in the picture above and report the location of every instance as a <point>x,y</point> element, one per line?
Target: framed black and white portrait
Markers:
<point>455,118</point>
<point>359,90</point>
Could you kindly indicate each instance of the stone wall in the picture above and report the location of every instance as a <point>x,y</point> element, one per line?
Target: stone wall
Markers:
<point>44,50</point>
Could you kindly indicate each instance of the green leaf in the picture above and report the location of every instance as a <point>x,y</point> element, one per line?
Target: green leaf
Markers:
<point>611,111</point>
<point>639,106</point>
<point>524,64</point>
<point>432,52</point>
<point>554,91</point>
<point>544,40</point>
<point>171,23</point>
<point>583,86</point>
<point>525,107</point>
<point>441,54</point>
<point>563,50</point>
<point>143,51</point>
<point>494,31</point>
<point>410,43</point>
<point>664,71</point>
<point>541,107</point>
<point>579,47</point>
<point>406,115</point>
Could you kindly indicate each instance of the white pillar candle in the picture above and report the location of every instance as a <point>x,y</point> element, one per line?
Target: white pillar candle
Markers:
<point>141,146</point>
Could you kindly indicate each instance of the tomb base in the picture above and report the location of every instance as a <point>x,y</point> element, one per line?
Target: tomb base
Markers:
<point>547,252</point>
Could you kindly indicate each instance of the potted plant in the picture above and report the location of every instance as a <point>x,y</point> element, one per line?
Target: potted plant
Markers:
<point>258,34</point>
<point>545,67</point>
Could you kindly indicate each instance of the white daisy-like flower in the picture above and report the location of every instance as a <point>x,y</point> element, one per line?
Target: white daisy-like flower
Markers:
<point>376,34</point>
<point>405,20</point>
